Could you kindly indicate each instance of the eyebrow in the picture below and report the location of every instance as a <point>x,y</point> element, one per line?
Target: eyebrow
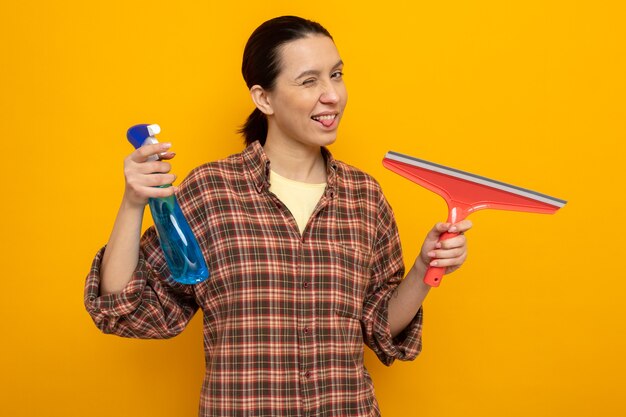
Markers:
<point>316,72</point>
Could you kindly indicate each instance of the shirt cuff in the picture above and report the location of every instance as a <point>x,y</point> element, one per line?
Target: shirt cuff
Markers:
<point>115,305</point>
<point>406,345</point>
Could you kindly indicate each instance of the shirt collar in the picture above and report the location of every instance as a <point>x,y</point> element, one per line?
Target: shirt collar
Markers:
<point>259,167</point>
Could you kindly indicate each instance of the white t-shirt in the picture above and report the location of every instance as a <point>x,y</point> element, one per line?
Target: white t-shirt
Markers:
<point>299,197</point>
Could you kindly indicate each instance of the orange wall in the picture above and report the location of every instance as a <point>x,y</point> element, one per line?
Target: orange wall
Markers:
<point>530,93</point>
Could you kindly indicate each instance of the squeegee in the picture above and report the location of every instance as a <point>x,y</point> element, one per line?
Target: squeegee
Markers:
<point>466,193</point>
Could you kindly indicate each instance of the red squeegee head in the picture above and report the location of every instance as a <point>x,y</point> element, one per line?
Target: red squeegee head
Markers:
<point>465,193</point>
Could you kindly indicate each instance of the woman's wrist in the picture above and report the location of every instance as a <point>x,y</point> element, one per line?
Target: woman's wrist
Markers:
<point>131,205</point>
<point>420,267</point>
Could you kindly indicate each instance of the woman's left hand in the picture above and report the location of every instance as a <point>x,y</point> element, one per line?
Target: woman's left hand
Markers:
<point>449,253</point>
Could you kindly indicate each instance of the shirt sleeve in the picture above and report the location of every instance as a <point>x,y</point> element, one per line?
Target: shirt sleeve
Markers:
<point>387,273</point>
<point>152,305</point>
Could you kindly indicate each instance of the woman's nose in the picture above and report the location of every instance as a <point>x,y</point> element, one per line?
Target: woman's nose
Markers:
<point>329,94</point>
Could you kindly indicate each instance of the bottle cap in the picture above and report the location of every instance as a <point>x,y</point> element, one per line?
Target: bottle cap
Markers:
<point>154,129</point>
<point>138,134</point>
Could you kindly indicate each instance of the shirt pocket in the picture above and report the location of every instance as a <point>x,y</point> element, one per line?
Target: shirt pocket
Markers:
<point>351,275</point>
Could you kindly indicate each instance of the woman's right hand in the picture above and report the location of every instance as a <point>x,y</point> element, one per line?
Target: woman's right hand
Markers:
<point>144,176</point>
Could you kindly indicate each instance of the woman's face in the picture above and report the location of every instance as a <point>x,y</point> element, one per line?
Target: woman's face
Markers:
<point>309,95</point>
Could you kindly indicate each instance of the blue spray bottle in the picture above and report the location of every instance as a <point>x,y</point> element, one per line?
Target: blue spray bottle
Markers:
<point>182,252</point>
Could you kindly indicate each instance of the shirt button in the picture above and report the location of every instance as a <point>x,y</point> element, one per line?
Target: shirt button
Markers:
<point>305,285</point>
<point>306,330</point>
<point>307,374</point>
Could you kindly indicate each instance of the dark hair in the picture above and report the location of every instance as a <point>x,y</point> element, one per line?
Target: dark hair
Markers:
<point>261,62</point>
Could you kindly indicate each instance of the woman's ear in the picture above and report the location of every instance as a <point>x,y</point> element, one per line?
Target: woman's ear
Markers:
<point>261,99</point>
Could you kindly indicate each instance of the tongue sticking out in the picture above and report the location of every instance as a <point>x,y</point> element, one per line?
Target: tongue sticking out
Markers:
<point>327,122</point>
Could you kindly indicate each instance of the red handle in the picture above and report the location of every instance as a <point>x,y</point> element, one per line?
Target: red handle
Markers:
<point>435,274</point>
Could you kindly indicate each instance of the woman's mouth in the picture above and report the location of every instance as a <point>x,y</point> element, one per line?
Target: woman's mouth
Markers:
<point>325,119</point>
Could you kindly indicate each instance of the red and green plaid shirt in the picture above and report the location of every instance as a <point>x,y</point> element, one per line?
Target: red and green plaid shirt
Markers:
<point>285,314</point>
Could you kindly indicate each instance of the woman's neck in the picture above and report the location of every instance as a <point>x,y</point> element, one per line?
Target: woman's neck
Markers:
<point>296,161</point>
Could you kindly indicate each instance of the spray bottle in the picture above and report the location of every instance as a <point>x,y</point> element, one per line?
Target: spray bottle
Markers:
<point>182,252</point>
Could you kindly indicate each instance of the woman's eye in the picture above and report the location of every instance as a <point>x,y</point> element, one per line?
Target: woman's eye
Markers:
<point>337,74</point>
<point>308,81</point>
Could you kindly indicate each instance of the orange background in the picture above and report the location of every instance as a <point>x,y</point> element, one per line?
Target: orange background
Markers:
<point>530,93</point>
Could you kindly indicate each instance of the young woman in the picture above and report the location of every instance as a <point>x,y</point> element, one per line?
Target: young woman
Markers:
<point>305,258</point>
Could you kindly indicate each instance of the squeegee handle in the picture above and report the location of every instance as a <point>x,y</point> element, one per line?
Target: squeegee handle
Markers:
<point>435,274</point>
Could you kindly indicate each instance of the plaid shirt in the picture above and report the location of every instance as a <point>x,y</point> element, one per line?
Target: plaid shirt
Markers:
<point>285,314</point>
